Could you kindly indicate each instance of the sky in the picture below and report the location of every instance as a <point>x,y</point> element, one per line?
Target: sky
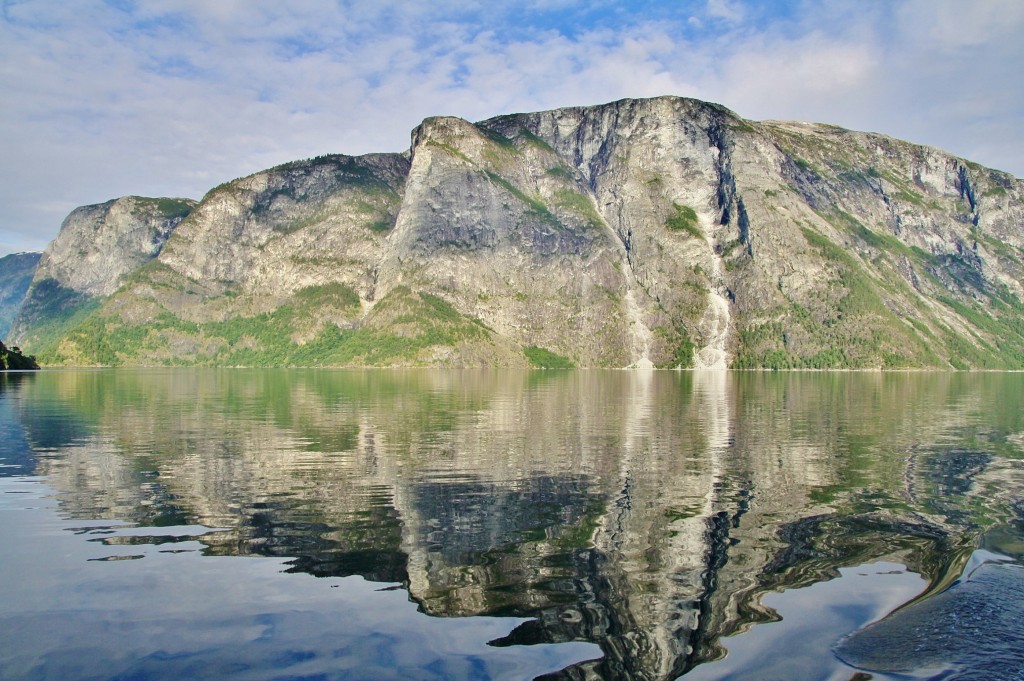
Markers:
<point>108,98</point>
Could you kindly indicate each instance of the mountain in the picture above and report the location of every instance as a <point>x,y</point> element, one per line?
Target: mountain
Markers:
<point>666,232</point>
<point>97,248</point>
<point>15,277</point>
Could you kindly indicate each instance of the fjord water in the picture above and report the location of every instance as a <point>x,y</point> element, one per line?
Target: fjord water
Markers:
<point>428,524</point>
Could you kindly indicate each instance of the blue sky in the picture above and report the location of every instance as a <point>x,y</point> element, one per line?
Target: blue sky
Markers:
<point>104,98</point>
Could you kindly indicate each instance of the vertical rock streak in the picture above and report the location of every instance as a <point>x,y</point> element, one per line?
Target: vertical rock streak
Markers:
<point>716,322</point>
<point>639,331</point>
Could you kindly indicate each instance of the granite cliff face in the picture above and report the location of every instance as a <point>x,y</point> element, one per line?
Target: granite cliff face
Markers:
<point>97,248</point>
<point>98,245</point>
<point>666,232</point>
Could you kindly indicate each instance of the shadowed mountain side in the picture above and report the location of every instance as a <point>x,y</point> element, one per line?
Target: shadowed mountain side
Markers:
<point>16,273</point>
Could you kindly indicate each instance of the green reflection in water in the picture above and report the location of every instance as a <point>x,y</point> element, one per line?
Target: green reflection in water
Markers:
<point>646,512</point>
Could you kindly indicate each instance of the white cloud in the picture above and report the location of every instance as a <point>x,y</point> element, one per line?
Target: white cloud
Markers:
<point>176,96</point>
<point>805,71</point>
<point>724,9</point>
<point>952,25</point>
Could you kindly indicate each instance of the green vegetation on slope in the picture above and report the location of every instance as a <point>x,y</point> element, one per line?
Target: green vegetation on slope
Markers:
<point>168,208</point>
<point>682,357</point>
<point>997,341</point>
<point>51,310</point>
<point>849,327</point>
<point>579,204</point>
<point>542,358</point>
<point>404,329</point>
<point>334,294</point>
<point>1004,347</point>
<point>684,219</point>
<point>13,359</point>
<point>538,209</point>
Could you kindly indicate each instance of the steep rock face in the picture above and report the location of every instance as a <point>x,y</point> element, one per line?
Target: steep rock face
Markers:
<point>905,254</point>
<point>658,171</point>
<point>16,272</point>
<point>502,228</point>
<point>666,232</point>
<point>97,247</point>
<point>304,223</point>
<point>281,267</point>
<point>784,244</point>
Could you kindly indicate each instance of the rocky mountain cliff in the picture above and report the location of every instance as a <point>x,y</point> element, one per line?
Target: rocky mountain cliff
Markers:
<point>97,248</point>
<point>666,232</point>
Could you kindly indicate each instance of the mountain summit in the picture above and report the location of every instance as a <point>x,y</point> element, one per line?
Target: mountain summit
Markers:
<point>662,232</point>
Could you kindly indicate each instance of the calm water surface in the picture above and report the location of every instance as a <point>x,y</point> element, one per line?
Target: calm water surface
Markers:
<point>252,524</point>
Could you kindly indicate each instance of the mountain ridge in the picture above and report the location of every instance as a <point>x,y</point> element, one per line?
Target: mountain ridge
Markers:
<point>655,232</point>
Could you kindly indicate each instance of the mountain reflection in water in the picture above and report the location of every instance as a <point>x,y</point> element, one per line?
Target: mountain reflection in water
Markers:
<point>646,512</point>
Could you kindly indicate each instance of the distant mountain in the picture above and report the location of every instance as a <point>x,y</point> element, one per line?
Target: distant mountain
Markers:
<point>666,232</point>
<point>16,272</point>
